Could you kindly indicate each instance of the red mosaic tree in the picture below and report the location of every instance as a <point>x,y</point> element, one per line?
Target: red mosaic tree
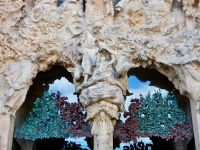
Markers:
<point>72,113</point>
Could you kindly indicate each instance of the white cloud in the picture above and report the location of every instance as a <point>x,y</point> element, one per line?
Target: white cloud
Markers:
<point>62,85</point>
<point>65,88</point>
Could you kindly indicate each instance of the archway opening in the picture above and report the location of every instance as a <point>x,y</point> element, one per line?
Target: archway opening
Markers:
<point>55,79</point>
<point>142,81</point>
<point>155,79</point>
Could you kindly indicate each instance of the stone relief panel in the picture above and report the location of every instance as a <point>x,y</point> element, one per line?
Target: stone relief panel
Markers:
<point>102,92</point>
<point>99,46</point>
<point>17,77</point>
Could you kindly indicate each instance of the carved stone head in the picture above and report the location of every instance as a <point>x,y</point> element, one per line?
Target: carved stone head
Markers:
<point>97,27</point>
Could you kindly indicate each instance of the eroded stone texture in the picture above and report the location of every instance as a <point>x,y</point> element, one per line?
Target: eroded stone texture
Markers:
<point>99,48</point>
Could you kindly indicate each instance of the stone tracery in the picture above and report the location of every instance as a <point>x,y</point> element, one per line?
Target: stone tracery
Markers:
<point>154,34</point>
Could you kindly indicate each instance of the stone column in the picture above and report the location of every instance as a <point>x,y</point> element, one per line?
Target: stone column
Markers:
<point>181,145</point>
<point>6,131</point>
<point>195,110</point>
<point>103,117</point>
<point>102,128</point>
<point>25,144</point>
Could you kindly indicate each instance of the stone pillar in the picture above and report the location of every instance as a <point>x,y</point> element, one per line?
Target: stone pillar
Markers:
<point>195,110</point>
<point>95,142</point>
<point>103,117</point>
<point>102,128</point>
<point>6,131</point>
<point>180,145</point>
<point>25,144</point>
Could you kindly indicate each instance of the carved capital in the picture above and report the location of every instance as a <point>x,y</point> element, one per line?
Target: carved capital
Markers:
<point>109,108</point>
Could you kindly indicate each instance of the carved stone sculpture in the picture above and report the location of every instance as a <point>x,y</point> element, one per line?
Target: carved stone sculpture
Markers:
<point>102,128</point>
<point>99,46</point>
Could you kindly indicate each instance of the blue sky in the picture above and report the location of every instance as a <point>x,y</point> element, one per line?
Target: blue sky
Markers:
<point>135,86</point>
<point>134,83</point>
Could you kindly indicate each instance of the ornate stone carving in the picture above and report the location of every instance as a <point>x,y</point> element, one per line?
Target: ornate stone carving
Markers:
<point>89,51</point>
<point>49,2</point>
<point>18,77</point>
<point>102,92</point>
<point>99,11</point>
<point>10,14</point>
<point>98,47</point>
<point>109,108</point>
<point>102,128</point>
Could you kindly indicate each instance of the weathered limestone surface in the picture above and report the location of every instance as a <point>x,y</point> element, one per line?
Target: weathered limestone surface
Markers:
<point>98,46</point>
<point>6,131</point>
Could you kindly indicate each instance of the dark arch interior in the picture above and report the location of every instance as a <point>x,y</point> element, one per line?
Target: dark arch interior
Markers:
<point>40,84</point>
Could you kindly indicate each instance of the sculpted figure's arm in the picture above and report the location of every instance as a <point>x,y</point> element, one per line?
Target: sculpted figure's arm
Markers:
<point>80,44</point>
<point>113,58</point>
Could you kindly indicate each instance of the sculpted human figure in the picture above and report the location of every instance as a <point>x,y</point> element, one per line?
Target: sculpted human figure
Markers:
<point>89,49</point>
<point>103,128</point>
<point>104,66</point>
<point>96,29</point>
<point>99,10</point>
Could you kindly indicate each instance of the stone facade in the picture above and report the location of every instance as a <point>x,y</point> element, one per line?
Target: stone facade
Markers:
<point>98,45</point>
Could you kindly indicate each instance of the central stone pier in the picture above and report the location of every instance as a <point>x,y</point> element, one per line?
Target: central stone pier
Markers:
<point>102,96</point>
<point>100,85</point>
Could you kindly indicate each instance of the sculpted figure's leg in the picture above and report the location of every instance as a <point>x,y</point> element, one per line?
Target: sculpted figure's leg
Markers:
<point>86,76</point>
